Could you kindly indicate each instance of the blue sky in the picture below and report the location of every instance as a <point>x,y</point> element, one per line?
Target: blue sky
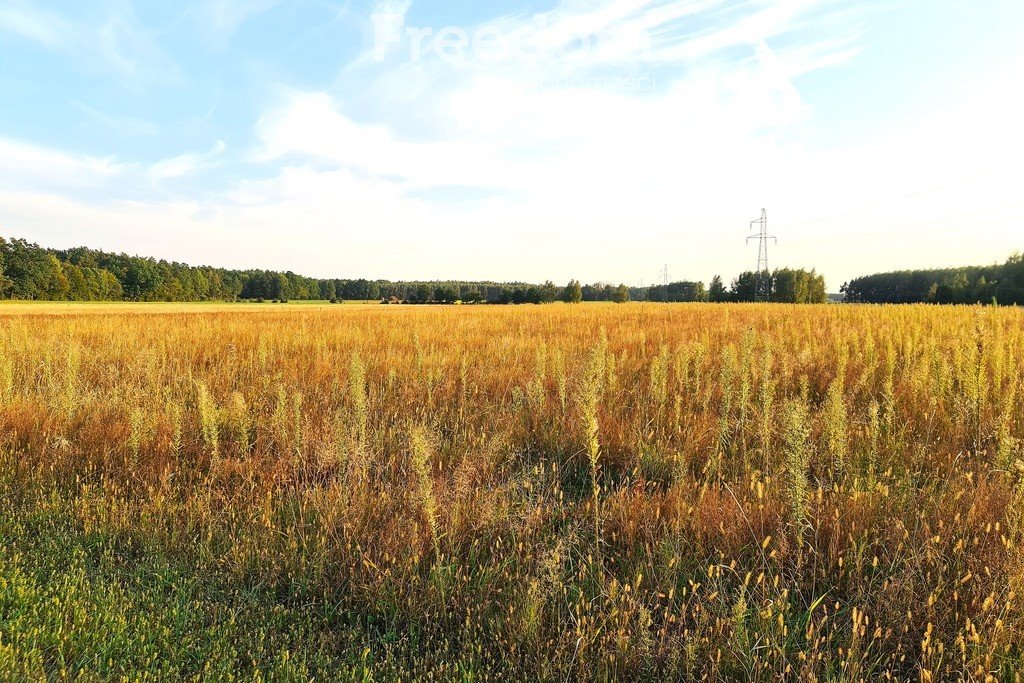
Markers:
<point>596,139</point>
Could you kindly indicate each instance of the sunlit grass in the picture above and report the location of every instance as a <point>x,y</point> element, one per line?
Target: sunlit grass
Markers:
<point>692,492</point>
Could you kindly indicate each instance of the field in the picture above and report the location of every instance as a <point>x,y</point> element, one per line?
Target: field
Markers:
<point>599,492</point>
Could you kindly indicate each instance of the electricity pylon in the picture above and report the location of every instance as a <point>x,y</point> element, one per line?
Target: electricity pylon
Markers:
<point>763,276</point>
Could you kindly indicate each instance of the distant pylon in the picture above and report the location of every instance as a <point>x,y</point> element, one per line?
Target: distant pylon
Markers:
<point>763,276</point>
<point>664,275</point>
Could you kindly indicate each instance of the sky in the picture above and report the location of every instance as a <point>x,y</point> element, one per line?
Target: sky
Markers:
<point>517,140</point>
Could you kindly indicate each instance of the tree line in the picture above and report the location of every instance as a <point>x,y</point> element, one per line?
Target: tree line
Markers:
<point>784,285</point>
<point>31,272</point>
<point>1000,284</point>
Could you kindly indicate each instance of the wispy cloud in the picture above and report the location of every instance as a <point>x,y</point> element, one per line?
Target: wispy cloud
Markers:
<point>311,126</point>
<point>115,40</point>
<point>589,34</point>
<point>35,24</point>
<point>123,124</point>
<point>183,164</point>
<point>26,166</point>
<point>220,19</point>
<point>541,113</point>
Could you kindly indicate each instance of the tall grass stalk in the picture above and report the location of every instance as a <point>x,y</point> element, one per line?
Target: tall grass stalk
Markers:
<point>797,450</point>
<point>208,420</point>
<point>591,390</point>
<point>421,455</point>
<point>835,418</point>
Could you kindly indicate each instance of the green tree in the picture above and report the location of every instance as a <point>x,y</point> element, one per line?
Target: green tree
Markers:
<point>816,292</point>
<point>621,294</point>
<point>744,287</point>
<point>109,287</point>
<point>678,292</point>
<point>422,294</point>
<point>30,270</point>
<point>327,292</point>
<point>984,291</point>
<point>447,293</point>
<point>954,290</point>
<point>717,292</point>
<point>280,288</point>
<point>142,277</point>
<point>55,285</point>
<point>78,285</point>
<point>573,292</point>
<point>548,292</point>
<point>798,286</point>
<point>529,295</point>
<point>5,282</point>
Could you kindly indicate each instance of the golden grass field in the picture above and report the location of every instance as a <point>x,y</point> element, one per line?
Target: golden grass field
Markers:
<point>595,492</point>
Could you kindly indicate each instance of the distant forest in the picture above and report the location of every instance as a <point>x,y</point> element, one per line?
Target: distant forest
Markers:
<point>31,272</point>
<point>1002,284</point>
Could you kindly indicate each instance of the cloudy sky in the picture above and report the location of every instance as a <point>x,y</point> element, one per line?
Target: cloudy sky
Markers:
<point>529,139</point>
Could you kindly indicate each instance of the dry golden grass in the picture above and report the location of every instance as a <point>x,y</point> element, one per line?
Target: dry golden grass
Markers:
<point>562,492</point>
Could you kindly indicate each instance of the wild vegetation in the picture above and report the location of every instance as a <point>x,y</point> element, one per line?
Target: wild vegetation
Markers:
<point>677,492</point>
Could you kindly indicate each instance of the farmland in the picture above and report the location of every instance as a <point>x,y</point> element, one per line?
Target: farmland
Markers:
<point>596,492</point>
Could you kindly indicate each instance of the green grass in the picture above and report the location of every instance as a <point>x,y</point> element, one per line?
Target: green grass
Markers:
<point>99,607</point>
<point>95,607</point>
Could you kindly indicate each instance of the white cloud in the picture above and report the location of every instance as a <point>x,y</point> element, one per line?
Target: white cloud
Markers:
<point>510,127</point>
<point>228,14</point>
<point>28,166</point>
<point>310,125</point>
<point>123,124</point>
<point>220,19</point>
<point>34,24</point>
<point>31,168</point>
<point>184,164</point>
<point>592,179</point>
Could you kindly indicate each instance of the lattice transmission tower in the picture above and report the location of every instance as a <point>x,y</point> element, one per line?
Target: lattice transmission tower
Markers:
<point>763,276</point>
